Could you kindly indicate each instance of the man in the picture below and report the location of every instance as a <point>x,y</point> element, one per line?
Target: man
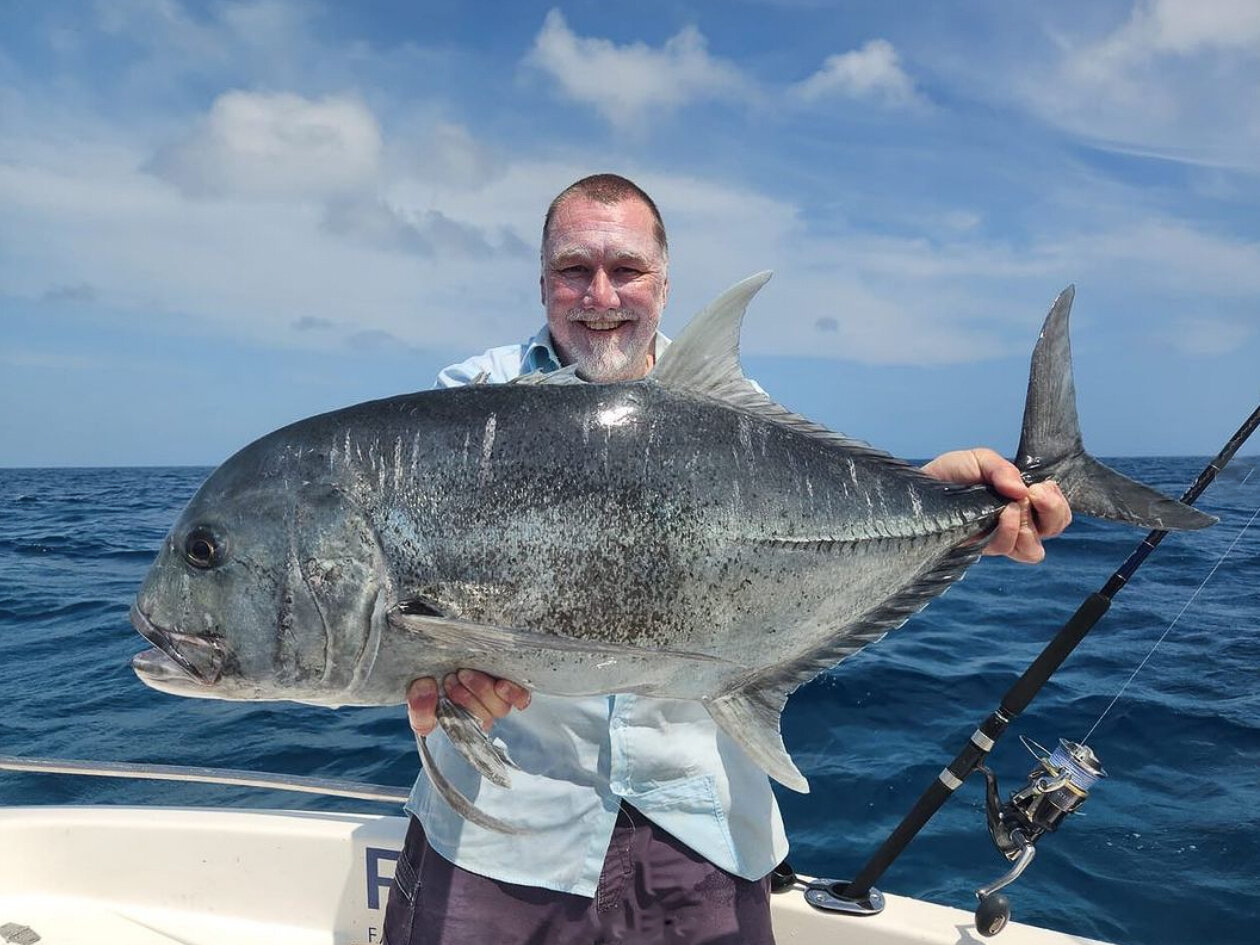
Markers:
<point>644,823</point>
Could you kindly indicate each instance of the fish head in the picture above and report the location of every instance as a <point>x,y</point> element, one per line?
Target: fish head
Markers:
<point>269,586</point>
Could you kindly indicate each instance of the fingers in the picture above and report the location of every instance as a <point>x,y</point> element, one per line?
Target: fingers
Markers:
<point>1039,511</point>
<point>484,696</point>
<point>1050,508</point>
<point>1005,533</point>
<point>1016,535</point>
<point>422,699</point>
<point>510,692</point>
<point>980,465</point>
<point>1000,473</point>
<point>1028,549</point>
<point>955,466</point>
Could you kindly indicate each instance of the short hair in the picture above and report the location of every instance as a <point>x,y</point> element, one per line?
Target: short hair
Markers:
<point>608,189</point>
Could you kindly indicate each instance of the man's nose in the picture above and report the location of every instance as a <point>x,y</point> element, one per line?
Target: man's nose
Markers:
<point>600,293</point>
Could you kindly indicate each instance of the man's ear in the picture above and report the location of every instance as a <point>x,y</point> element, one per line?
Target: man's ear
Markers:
<point>542,289</point>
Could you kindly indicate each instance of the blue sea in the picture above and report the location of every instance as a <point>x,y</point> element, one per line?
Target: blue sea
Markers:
<point>1166,850</point>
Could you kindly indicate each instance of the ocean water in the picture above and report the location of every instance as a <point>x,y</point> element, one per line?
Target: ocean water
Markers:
<point>1166,850</point>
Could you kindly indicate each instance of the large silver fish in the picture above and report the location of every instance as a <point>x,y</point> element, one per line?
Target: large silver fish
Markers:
<point>681,536</point>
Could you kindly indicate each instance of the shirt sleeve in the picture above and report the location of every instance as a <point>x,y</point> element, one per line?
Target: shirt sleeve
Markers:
<point>457,375</point>
<point>499,365</point>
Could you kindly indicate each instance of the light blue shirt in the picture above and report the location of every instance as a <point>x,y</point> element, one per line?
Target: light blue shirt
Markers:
<point>580,758</point>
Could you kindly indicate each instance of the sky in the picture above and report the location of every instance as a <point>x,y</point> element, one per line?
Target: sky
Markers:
<point>219,217</point>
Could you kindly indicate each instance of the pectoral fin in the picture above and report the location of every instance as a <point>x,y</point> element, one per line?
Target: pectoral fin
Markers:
<point>458,803</point>
<point>468,640</point>
<point>470,740</point>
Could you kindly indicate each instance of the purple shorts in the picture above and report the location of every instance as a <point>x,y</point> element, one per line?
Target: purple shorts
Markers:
<point>653,889</point>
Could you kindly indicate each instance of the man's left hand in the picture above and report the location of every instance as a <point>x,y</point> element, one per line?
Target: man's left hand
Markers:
<point>1036,512</point>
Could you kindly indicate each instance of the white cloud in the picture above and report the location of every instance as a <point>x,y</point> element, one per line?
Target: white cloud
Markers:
<point>412,229</point>
<point>1175,257</point>
<point>872,73</point>
<point>156,22</point>
<point>266,39</point>
<point>1183,27</point>
<point>1173,81</point>
<point>454,267</point>
<point>1208,337</point>
<point>327,224</point>
<point>276,145</point>
<point>626,83</point>
<point>441,151</point>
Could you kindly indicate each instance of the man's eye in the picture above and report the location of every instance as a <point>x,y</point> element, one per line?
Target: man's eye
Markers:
<point>573,270</point>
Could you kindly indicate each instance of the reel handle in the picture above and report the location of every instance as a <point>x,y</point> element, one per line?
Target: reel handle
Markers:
<point>992,914</point>
<point>1056,787</point>
<point>994,909</point>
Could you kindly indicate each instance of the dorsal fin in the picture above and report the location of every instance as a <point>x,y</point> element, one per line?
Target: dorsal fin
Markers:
<point>705,357</point>
<point>705,360</point>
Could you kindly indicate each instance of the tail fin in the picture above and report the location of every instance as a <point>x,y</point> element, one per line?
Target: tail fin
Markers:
<point>1050,445</point>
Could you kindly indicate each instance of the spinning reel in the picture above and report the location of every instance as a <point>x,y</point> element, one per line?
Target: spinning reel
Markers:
<point>1056,787</point>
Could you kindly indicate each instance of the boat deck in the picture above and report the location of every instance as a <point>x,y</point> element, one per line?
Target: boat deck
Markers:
<point>153,876</point>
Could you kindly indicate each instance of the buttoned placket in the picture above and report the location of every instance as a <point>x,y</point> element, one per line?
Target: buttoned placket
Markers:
<point>620,774</point>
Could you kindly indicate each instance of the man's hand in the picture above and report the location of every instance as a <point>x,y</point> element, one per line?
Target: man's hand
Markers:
<point>484,696</point>
<point>1037,512</point>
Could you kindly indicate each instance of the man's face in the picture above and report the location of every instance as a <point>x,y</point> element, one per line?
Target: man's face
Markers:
<point>604,284</point>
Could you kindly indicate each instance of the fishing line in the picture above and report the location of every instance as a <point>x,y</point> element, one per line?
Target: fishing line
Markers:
<point>1164,635</point>
<point>1081,775</point>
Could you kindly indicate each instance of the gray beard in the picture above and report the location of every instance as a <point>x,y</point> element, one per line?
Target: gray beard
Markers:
<point>607,359</point>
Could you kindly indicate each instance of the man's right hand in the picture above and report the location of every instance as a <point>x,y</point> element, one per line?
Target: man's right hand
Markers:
<point>484,696</point>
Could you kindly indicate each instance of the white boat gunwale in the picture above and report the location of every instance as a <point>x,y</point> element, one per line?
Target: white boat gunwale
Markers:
<point>151,875</point>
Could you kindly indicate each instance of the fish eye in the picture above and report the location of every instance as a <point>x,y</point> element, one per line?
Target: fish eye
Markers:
<point>202,549</point>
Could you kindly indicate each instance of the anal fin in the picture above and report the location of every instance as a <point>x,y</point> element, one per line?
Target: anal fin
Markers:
<point>470,639</point>
<point>750,716</point>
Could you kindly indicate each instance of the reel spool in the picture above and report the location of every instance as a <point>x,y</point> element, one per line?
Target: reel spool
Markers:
<point>1056,787</point>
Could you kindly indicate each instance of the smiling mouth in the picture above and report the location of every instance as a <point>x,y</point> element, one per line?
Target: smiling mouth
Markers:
<point>177,654</point>
<point>606,320</point>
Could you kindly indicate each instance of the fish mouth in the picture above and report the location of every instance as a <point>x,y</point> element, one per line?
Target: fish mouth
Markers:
<point>178,655</point>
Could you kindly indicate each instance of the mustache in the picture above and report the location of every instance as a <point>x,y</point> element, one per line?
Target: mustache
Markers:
<point>614,314</point>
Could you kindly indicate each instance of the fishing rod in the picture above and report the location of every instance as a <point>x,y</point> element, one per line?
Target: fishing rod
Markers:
<point>1057,786</point>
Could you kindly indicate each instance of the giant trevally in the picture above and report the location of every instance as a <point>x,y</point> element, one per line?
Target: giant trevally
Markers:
<point>681,536</point>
